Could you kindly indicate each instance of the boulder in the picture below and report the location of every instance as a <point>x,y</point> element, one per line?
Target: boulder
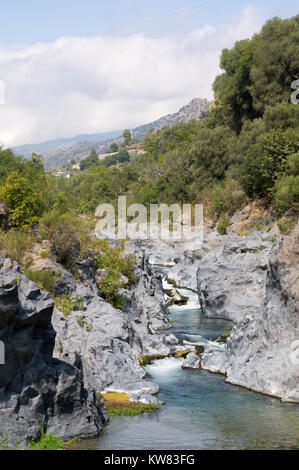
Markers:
<point>192,361</point>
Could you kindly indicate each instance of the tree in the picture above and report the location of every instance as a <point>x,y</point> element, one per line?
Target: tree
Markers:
<point>275,63</point>
<point>267,160</point>
<point>21,200</point>
<point>37,160</point>
<point>113,148</point>
<point>127,137</point>
<point>257,73</point>
<point>91,160</point>
<point>232,88</point>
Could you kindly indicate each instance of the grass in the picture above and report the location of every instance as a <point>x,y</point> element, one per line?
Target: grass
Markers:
<point>46,442</point>
<point>118,404</point>
<point>285,224</point>
<point>16,244</point>
<point>52,442</point>
<point>66,304</point>
<point>129,408</point>
<point>44,279</point>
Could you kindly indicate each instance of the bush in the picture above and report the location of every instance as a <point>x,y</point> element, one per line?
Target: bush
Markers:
<point>223,225</point>
<point>287,195</point>
<point>116,264</point>
<point>21,200</point>
<point>64,232</point>
<point>293,163</point>
<point>218,207</point>
<point>266,161</point>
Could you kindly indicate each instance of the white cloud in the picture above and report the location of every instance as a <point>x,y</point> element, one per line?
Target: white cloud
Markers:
<point>99,84</point>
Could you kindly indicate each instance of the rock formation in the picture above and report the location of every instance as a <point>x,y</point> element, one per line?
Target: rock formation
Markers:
<point>109,341</point>
<point>262,350</point>
<point>36,390</point>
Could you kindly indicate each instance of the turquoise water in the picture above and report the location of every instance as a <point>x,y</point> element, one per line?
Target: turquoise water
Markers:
<point>201,411</point>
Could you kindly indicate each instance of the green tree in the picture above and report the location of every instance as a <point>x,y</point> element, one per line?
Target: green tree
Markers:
<point>113,147</point>
<point>266,161</point>
<point>91,160</point>
<point>37,160</point>
<point>21,200</point>
<point>275,62</point>
<point>232,88</point>
<point>127,137</point>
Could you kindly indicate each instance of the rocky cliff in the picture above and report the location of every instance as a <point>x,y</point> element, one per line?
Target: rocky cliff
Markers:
<point>262,350</point>
<point>109,341</point>
<point>36,390</point>
<point>254,281</point>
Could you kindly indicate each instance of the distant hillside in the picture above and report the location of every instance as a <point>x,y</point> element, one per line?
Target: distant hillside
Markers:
<point>50,145</point>
<point>60,152</point>
<point>196,109</point>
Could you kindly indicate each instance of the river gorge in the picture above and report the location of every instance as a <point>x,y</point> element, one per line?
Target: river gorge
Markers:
<point>200,410</point>
<point>237,393</point>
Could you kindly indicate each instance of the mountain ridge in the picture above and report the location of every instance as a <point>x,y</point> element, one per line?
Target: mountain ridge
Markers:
<point>60,152</point>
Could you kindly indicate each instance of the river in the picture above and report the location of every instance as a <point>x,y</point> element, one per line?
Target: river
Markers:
<point>201,411</point>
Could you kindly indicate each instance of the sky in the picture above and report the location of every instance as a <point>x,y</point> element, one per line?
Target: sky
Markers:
<point>68,67</point>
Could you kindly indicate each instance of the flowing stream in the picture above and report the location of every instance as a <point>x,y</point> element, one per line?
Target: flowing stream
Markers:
<point>201,411</point>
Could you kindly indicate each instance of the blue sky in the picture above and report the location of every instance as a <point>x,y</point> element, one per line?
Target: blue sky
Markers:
<point>26,22</point>
<point>71,66</point>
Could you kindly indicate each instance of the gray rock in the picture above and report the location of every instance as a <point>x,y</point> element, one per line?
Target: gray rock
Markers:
<point>171,339</point>
<point>36,389</point>
<point>232,280</point>
<point>262,350</point>
<point>192,361</point>
<point>109,342</point>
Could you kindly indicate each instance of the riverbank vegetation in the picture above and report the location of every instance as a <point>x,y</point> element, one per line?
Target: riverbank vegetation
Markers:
<point>52,442</point>
<point>118,404</point>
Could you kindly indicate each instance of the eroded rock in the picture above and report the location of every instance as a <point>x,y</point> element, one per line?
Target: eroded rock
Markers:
<point>36,389</point>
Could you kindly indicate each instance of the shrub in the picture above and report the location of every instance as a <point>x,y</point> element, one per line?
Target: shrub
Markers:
<point>266,161</point>
<point>218,207</point>
<point>230,196</point>
<point>287,194</point>
<point>64,233</point>
<point>21,200</point>
<point>293,163</point>
<point>223,225</point>
<point>116,264</point>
